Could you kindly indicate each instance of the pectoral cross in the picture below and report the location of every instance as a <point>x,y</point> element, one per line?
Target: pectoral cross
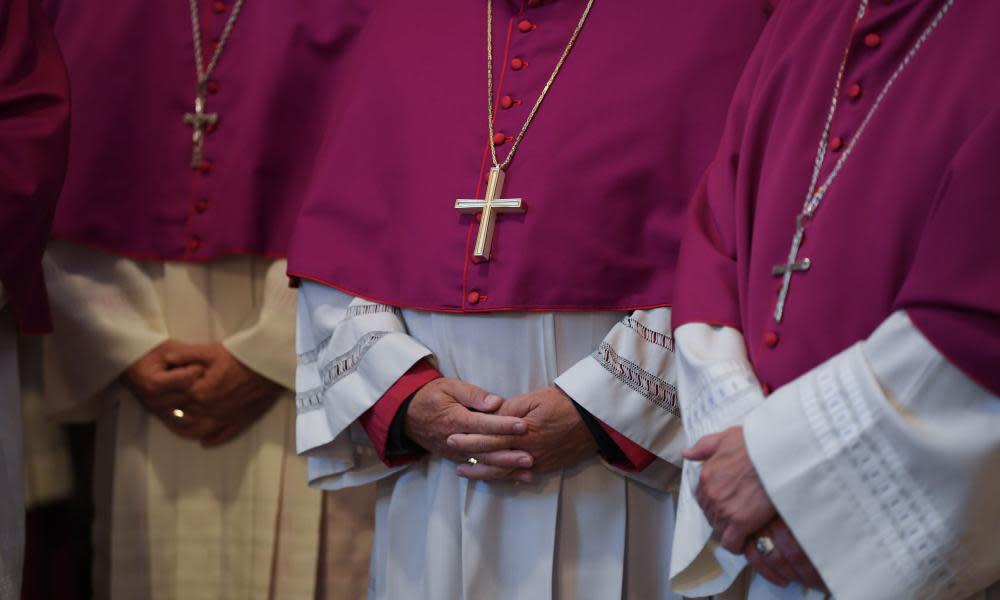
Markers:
<point>490,207</point>
<point>793,265</point>
<point>199,121</point>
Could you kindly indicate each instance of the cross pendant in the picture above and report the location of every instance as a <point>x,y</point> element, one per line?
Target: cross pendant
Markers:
<point>490,207</point>
<point>785,271</point>
<point>199,121</point>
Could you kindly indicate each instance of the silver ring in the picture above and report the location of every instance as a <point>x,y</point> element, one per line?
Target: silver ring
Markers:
<point>178,414</point>
<point>765,545</point>
<point>472,461</point>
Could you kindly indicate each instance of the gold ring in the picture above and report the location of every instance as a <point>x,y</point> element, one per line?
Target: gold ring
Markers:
<point>178,413</point>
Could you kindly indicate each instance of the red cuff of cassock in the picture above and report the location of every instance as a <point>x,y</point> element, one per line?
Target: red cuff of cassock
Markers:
<point>378,419</point>
<point>637,457</point>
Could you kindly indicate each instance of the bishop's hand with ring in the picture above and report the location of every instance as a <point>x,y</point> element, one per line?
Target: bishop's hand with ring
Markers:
<point>556,438</point>
<point>741,514</point>
<point>448,406</point>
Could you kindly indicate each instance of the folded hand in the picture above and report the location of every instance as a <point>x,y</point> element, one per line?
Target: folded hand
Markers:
<point>556,438</point>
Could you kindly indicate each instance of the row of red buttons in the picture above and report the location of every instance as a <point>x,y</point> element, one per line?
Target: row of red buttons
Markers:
<point>871,40</point>
<point>516,63</point>
<point>507,102</point>
<point>212,87</point>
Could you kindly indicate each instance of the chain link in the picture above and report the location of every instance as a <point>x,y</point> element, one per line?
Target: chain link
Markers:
<point>545,90</point>
<point>816,195</point>
<point>204,73</point>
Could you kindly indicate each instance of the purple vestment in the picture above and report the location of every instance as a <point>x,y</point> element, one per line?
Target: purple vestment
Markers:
<point>34,128</point>
<point>907,225</point>
<point>606,169</point>
<point>130,188</point>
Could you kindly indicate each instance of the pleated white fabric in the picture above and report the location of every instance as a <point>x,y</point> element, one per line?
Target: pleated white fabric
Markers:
<point>589,532</point>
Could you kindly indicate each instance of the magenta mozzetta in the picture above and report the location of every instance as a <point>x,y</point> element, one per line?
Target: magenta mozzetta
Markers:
<point>905,225</point>
<point>131,145</point>
<point>605,170</point>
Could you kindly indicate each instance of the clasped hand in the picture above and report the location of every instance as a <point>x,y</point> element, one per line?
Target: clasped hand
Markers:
<point>217,395</point>
<point>740,512</point>
<point>528,434</point>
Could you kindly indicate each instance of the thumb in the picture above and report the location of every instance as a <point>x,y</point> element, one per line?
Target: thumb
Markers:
<point>704,448</point>
<point>475,398</point>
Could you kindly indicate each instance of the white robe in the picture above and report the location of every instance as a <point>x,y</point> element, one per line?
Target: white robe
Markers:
<point>178,521</point>
<point>11,476</point>
<point>884,461</point>
<point>588,532</point>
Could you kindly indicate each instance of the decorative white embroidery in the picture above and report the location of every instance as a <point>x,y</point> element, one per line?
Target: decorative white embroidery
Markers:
<point>652,387</point>
<point>724,393</point>
<point>652,336</point>
<point>908,524</point>
<point>353,311</point>
<point>335,370</point>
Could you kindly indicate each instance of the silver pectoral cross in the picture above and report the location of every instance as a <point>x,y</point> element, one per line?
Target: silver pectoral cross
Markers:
<point>199,121</point>
<point>490,207</point>
<point>785,271</point>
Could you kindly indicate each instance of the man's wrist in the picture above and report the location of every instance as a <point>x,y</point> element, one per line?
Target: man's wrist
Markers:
<point>398,443</point>
<point>606,447</point>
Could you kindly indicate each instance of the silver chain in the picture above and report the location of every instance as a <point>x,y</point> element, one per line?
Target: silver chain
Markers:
<point>815,195</point>
<point>204,73</point>
<point>545,90</point>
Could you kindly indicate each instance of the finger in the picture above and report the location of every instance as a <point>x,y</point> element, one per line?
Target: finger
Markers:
<point>186,426</point>
<point>798,561</point>
<point>704,448</point>
<point>492,424</point>
<point>179,379</point>
<point>474,443</point>
<point>482,472</point>
<point>733,538</point>
<point>777,560</point>
<point>760,564</point>
<point>507,459</point>
<point>472,397</point>
<point>183,354</point>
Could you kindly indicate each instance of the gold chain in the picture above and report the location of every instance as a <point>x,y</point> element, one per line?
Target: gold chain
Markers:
<point>204,73</point>
<point>545,90</point>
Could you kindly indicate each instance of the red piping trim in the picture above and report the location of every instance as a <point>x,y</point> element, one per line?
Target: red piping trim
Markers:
<point>188,259</point>
<point>379,300</point>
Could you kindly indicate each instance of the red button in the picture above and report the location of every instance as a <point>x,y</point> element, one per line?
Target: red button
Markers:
<point>517,64</point>
<point>770,339</point>
<point>479,217</point>
<point>506,102</point>
<point>219,7</point>
<point>211,127</point>
<point>499,138</point>
<point>201,205</point>
<point>206,166</point>
<point>525,26</point>
<point>193,243</point>
<point>836,144</point>
<point>534,3</point>
<point>873,40</point>
<point>766,389</point>
<point>473,297</point>
<point>212,87</point>
<point>854,91</point>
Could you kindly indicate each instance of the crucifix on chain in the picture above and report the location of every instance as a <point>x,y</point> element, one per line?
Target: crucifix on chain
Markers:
<point>199,121</point>
<point>785,271</point>
<point>490,207</point>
